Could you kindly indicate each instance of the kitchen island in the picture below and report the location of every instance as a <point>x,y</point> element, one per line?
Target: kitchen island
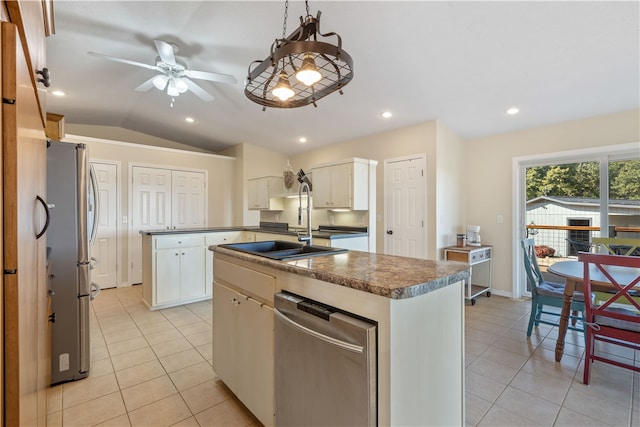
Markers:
<point>177,268</point>
<point>417,305</point>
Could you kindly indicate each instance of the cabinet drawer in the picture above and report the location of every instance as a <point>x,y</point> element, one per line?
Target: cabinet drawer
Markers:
<point>222,237</point>
<point>179,241</point>
<point>245,280</point>
<point>457,256</point>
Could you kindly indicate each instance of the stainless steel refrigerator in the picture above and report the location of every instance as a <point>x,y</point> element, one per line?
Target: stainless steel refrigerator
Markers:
<point>72,197</point>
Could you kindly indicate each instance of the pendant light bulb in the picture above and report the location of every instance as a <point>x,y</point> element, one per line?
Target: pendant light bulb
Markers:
<point>308,72</point>
<point>283,90</point>
<point>181,85</point>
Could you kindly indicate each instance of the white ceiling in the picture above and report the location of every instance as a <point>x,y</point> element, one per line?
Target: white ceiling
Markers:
<point>463,63</point>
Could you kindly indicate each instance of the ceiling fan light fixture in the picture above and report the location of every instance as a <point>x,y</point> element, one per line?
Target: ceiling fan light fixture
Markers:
<point>160,81</point>
<point>308,72</point>
<point>172,89</point>
<point>320,67</point>
<point>181,85</point>
<point>283,90</point>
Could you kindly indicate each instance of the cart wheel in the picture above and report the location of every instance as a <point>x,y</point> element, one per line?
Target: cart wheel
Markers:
<point>488,294</point>
<point>473,302</point>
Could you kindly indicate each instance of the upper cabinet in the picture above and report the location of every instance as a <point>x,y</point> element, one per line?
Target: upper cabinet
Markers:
<point>265,193</point>
<point>341,185</point>
<point>35,21</point>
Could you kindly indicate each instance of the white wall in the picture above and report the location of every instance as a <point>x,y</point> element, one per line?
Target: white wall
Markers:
<point>489,163</point>
<point>220,185</point>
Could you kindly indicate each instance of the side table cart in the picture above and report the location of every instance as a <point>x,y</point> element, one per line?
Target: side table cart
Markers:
<point>479,260</point>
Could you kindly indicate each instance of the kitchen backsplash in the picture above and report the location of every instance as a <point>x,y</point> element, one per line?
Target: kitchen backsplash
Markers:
<point>318,216</point>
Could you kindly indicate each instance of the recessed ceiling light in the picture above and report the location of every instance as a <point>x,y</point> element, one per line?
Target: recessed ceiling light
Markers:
<point>58,93</point>
<point>302,140</point>
<point>512,111</point>
<point>386,114</point>
<point>189,119</point>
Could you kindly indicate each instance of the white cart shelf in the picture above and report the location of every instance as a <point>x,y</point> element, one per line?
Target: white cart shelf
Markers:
<point>479,260</point>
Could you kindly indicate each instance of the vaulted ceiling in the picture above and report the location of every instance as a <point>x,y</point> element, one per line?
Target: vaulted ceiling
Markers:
<point>463,63</point>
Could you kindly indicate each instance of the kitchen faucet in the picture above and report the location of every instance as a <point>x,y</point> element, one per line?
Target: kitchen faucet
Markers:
<point>305,185</point>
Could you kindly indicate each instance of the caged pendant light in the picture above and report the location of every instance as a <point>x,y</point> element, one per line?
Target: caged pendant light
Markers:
<point>300,69</point>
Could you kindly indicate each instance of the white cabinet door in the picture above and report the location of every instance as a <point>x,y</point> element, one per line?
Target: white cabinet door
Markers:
<point>255,354</point>
<point>225,330</point>
<point>187,199</point>
<point>322,187</point>
<point>192,272</point>
<point>167,275</point>
<point>264,193</point>
<point>341,186</point>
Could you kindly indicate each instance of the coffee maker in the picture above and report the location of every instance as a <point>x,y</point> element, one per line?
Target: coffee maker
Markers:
<point>473,235</point>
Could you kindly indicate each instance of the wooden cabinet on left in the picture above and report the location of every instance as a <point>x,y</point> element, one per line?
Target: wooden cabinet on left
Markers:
<point>25,354</point>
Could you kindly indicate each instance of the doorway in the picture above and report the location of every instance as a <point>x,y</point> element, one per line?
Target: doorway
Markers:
<point>404,206</point>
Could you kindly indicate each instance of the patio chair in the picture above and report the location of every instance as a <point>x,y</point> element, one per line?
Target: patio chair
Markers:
<point>615,246</point>
<point>606,322</point>
<point>579,245</point>
<point>547,293</point>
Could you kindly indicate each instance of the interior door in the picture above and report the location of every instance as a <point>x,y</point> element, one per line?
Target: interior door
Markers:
<point>105,245</point>
<point>404,207</point>
<point>187,199</point>
<point>150,210</point>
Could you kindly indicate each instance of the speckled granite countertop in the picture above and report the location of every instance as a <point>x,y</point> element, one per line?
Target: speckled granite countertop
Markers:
<point>388,276</point>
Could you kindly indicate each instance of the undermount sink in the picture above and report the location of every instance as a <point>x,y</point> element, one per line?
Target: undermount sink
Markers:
<point>281,250</point>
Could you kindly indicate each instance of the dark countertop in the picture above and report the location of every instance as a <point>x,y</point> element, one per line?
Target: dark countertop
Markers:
<point>385,275</point>
<point>337,233</point>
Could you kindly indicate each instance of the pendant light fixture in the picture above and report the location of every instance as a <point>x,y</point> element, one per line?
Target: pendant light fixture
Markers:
<point>320,68</point>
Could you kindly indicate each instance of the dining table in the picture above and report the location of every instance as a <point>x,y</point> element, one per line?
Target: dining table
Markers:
<point>573,273</point>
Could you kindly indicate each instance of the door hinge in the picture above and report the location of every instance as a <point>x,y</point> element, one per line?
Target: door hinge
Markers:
<point>422,223</point>
<point>8,101</point>
<point>10,271</point>
<point>422,172</point>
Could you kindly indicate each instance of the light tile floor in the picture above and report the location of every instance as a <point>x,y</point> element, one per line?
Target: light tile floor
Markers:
<point>154,369</point>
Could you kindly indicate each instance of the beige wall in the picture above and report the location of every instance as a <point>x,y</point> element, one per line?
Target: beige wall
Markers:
<point>252,162</point>
<point>417,139</point>
<point>489,166</point>
<point>220,185</point>
<point>120,134</point>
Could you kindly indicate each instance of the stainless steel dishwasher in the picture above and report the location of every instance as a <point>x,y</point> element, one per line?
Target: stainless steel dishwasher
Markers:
<point>325,365</point>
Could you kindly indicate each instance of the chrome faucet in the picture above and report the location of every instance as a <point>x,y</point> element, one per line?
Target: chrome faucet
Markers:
<point>304,186</point>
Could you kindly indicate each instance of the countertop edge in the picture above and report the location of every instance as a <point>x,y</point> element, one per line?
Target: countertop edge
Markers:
<point>317,234</point>
<point>409,291</point>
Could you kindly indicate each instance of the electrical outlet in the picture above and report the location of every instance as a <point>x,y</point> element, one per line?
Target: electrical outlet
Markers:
<point>125,219</point>
<point>499,219</point>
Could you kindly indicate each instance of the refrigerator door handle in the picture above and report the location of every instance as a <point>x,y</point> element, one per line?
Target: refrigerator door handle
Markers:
<point>48,217</point>
<point>94,203</point>
<point>95,291</point>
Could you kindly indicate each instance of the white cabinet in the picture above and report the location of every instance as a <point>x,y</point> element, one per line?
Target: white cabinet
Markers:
<point>218,238</point>
<point>243,336</point>
<point>264,193</point>
<point>174,269</point>
<point>360,243</point>
<point>341,186</point>
<point>263,237</point>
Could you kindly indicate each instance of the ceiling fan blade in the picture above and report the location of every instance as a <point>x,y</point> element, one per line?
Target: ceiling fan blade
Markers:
<point>198,91</point>
<point>146,85</point>
<point>165,50</point>
<point>214,77</point>
<point>124,61</point>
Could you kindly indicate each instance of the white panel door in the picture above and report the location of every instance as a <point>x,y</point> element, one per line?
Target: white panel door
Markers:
<point>187,199</point>
<point>150,210</point>
<point>404,207</point>
<point>105,245</point>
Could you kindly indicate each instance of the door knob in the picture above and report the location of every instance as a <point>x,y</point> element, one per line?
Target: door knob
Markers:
<point>389,231</point>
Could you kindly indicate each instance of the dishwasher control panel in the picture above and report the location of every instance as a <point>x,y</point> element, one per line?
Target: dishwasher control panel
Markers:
<point>315,309</point>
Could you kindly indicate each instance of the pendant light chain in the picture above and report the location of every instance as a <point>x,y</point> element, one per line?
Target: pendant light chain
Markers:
<point>306,4</point>
<point>286,15</point>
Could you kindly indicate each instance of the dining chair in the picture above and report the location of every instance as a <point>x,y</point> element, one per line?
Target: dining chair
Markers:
<point>609,322</point>
<point>547,293</point>
<point>579,245</point>
<point>616,246</point>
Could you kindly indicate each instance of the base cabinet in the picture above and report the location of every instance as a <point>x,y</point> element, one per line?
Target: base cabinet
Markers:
<point>243,349</point>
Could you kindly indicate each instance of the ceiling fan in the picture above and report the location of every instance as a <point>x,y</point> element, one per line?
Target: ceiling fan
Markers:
<point>172,75</point>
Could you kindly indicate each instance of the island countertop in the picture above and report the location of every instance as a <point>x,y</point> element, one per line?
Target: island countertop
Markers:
<point>385,275</point>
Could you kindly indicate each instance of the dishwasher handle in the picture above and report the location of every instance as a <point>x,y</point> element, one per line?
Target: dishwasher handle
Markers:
<point>330,340</point>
